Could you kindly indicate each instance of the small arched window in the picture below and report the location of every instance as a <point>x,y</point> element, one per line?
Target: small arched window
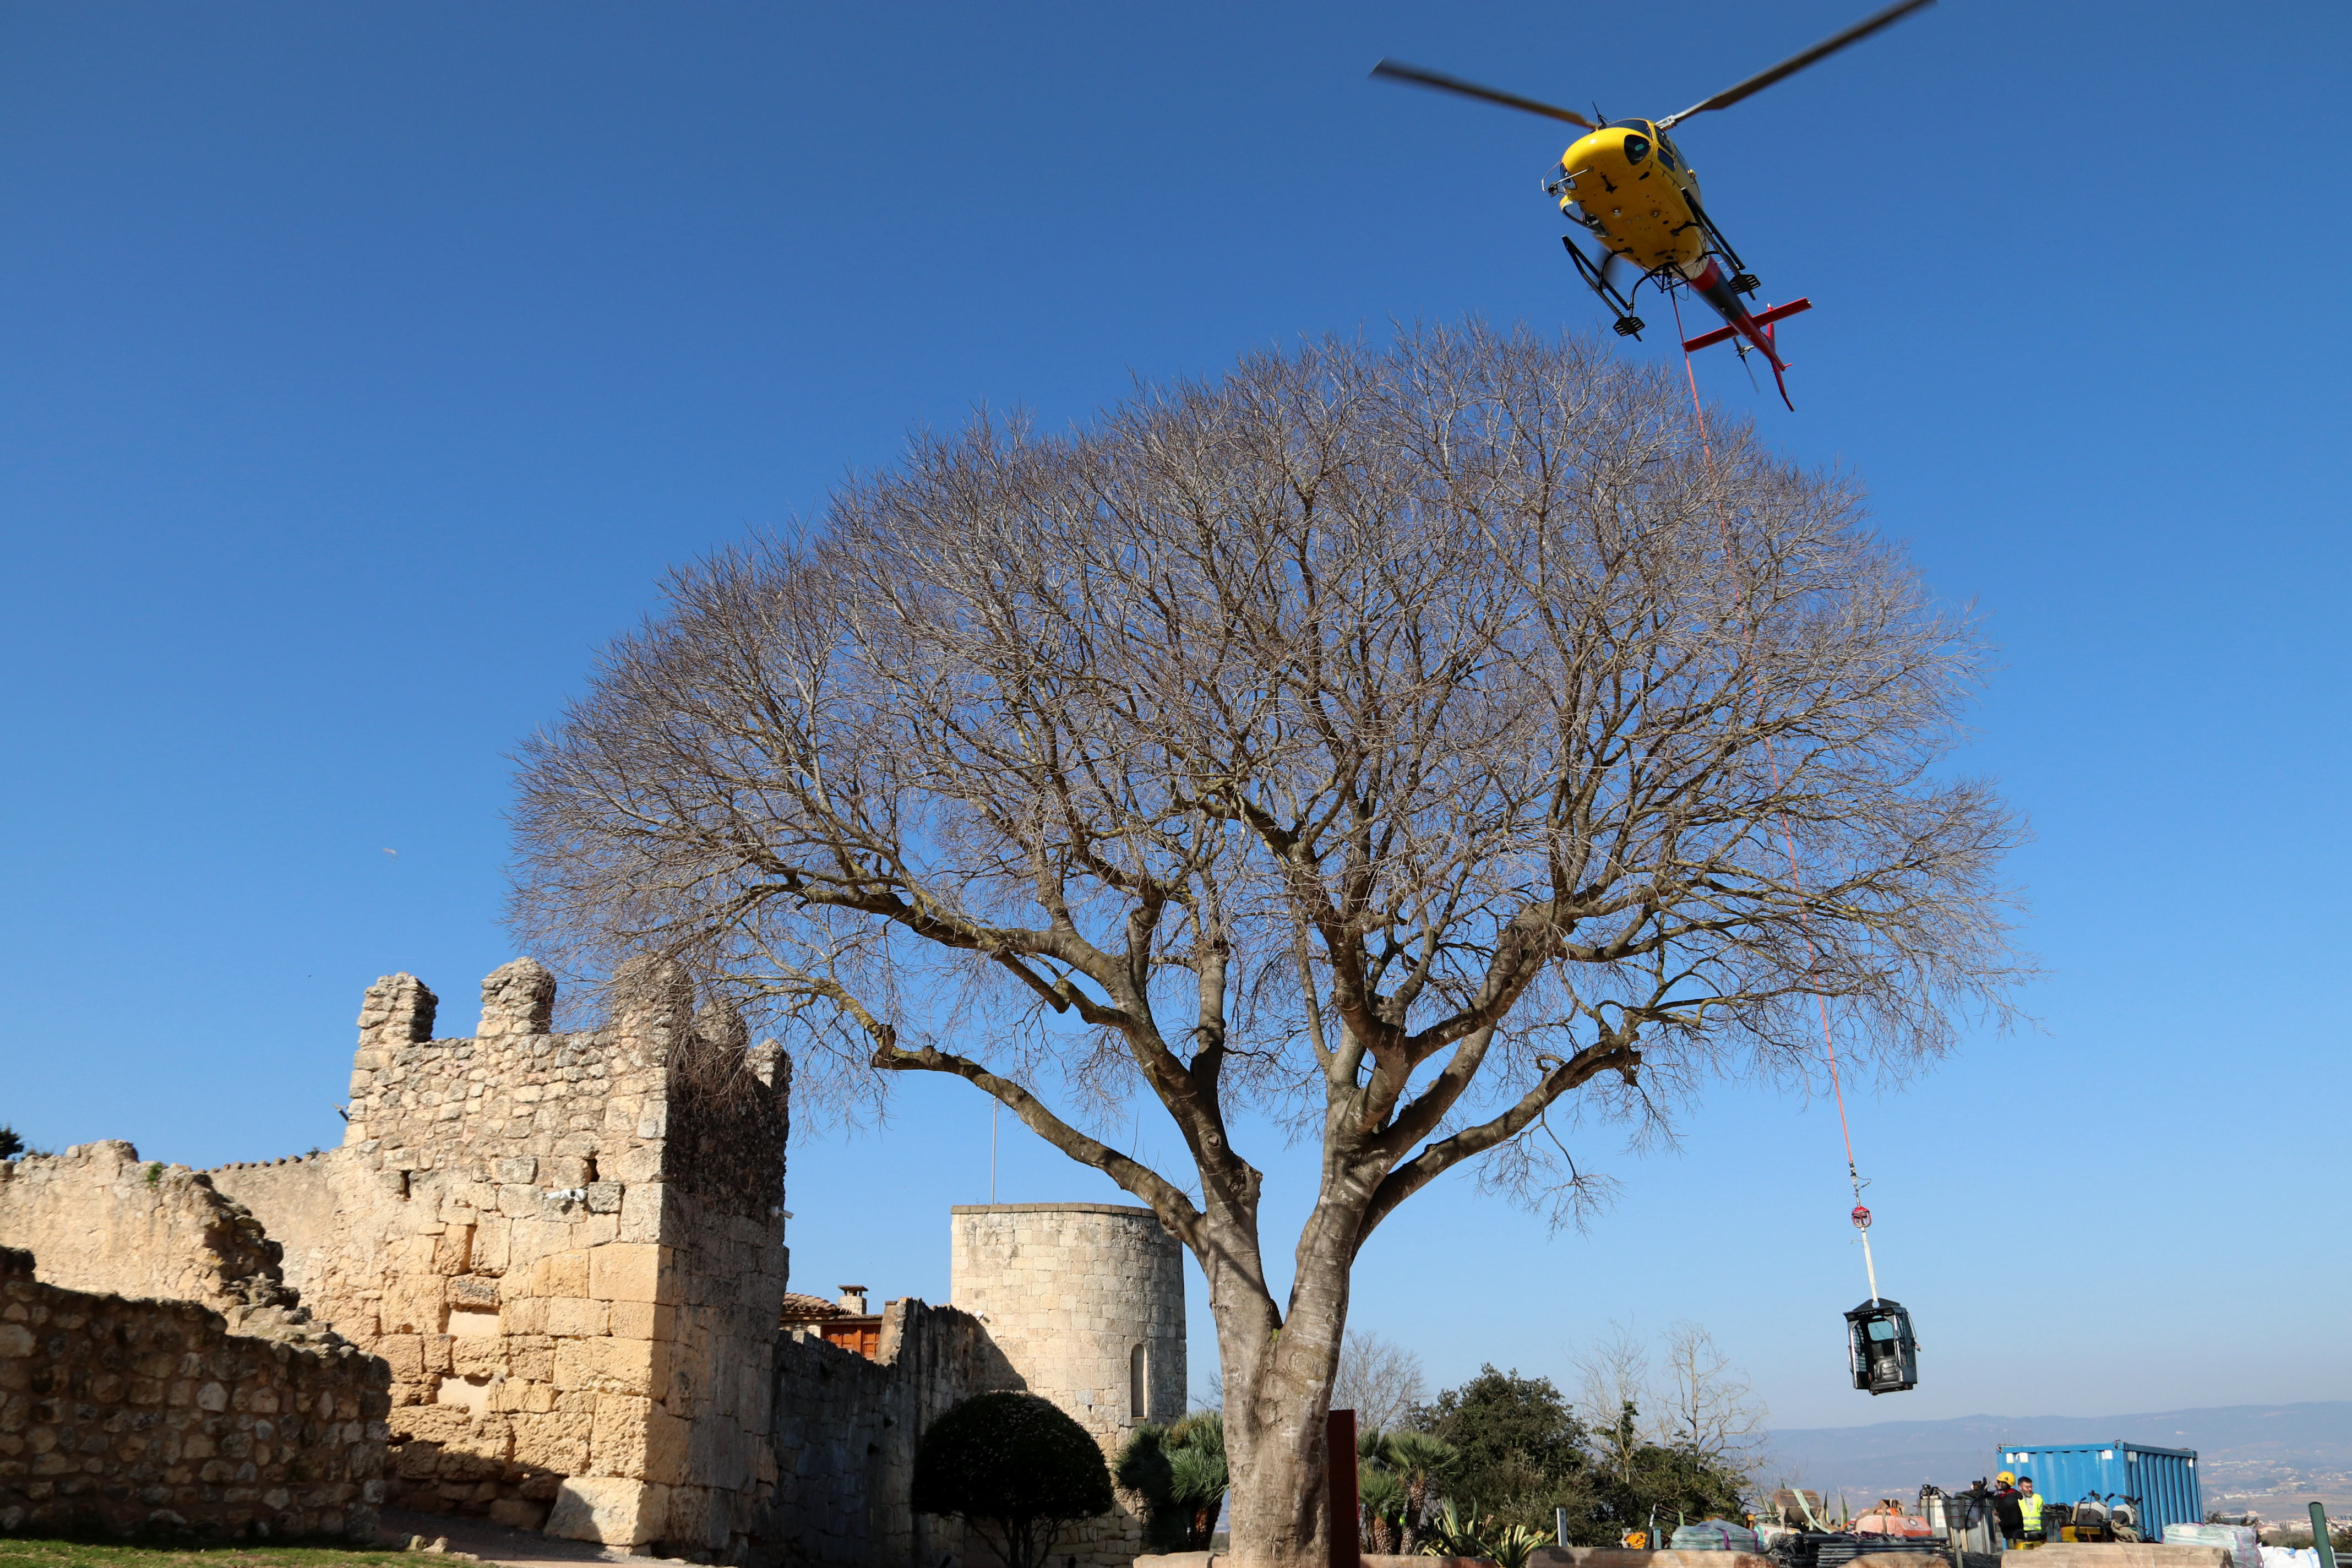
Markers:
<point>1139,1400</point>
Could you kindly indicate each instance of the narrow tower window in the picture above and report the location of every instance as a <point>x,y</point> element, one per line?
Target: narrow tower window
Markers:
<point>1138,1396</point>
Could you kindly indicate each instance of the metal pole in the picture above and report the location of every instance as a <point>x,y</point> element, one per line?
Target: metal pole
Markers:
<point>1559,1525</point>
<point>1871,1270</point>
<point>992,1106</point>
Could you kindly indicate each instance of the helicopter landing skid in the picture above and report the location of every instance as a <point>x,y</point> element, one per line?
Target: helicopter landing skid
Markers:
<point>1596,278</point>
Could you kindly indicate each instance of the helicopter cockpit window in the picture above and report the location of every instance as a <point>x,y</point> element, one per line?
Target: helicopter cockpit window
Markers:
<point>1636,149</point>
<point>1666,155</point>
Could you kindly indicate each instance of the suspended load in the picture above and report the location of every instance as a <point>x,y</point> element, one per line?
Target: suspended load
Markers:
<point>1884,1352</point>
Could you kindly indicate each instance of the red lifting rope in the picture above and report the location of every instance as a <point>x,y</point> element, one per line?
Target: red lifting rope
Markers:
<point>1787,840</point>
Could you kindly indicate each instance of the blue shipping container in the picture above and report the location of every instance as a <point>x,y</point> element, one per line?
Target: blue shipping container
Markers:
<point>2164,1480</point>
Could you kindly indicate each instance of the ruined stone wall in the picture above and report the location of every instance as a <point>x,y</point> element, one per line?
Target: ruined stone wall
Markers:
<point>845,1433</point>
<point>578,1330</point>
<point>1083,1301</point>
<point>123,1415</point>
<point>294,1200</point>
<point>99,1220</point>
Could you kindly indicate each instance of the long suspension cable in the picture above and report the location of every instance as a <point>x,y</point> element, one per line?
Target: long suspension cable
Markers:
<point>1787,840</point>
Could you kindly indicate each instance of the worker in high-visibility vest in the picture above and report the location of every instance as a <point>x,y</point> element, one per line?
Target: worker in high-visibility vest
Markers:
<point>2028,1507</point>
<point>2005,1512</point>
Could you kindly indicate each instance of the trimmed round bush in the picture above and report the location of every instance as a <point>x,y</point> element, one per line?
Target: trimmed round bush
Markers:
<point>1013,1468</point>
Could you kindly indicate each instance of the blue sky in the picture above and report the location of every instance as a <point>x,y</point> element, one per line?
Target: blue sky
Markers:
<point>361,367</point>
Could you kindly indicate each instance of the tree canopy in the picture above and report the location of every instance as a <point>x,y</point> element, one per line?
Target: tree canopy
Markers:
<point>1524,1452</point>
<point>1013,1467</point>
<point>1436,747</point>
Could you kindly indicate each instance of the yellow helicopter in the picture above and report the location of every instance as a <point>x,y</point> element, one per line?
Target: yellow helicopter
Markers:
<point>1627,184</point>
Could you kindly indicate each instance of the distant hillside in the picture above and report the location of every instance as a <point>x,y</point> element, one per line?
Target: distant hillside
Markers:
<point>2248,1454</point>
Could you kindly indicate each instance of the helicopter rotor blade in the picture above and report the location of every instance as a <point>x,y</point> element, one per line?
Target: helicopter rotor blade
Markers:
<point>1795,63</point>
<point>1397,70</point>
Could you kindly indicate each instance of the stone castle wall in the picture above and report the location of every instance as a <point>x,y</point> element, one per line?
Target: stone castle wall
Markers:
<point>845,1433</point>
<point>294,1200</point>
<point>1085,1302</point>
<point>578,1330</point>
<point>564,1252</point>
<point>143,1415</point>
<point>99,1220</point>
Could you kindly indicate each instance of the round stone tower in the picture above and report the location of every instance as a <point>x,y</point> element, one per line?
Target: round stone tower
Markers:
<point>1086,1302</point>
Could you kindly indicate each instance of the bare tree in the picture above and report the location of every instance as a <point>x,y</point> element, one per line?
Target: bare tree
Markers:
<point>1706,1406</point>
<point>1690,1397</point>
<point>1378,1379</point>
<point>1615,1389</point>
<point>1428,746</point>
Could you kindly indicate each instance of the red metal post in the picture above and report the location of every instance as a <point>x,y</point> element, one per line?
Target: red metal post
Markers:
<point>1340,1455</point>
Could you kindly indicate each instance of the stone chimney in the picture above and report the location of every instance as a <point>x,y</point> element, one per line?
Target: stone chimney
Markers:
<point>853,1301</point>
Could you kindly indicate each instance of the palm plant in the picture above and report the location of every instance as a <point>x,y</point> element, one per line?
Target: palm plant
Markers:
<point>1382,1494</point>
<point>1180,1473</point>
<point>1197,1475</point>
<point>1419,1460</point>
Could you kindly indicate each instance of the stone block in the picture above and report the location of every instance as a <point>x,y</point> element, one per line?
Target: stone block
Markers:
<point>638,1162</point>
<point>473,1291</point>
<point>631,1271</point>
<point>615,1512</point>
<point>518,1513</point>
<point>405,1353</point>
<point>571,1316</point>
<point>527,1316</point>
<point>453,1250</point>
<point>437,1423</point>
<point>562,1274</point>
<point>643,1320</point>
<point>605,1197</point>
<point>568,1174</point>
<point>613,1366</point>
<point>470,1357</point>
<point>532,1239</point>
<point>490,1242</point>
<point>414,1305</point>
<point>553,1440</point>
<point>531,1357</point>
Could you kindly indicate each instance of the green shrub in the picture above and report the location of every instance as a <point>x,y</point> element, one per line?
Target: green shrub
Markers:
<point>1014,1468</point>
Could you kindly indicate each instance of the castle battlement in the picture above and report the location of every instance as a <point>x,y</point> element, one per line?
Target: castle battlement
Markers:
<point>576,1303</point>
<point>566,1251</point>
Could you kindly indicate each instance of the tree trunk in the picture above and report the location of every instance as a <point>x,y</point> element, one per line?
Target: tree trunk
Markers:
<point>1278,1377</point>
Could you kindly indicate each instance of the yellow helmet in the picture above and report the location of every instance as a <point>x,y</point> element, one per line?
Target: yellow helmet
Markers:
<point>2006,1479</point>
